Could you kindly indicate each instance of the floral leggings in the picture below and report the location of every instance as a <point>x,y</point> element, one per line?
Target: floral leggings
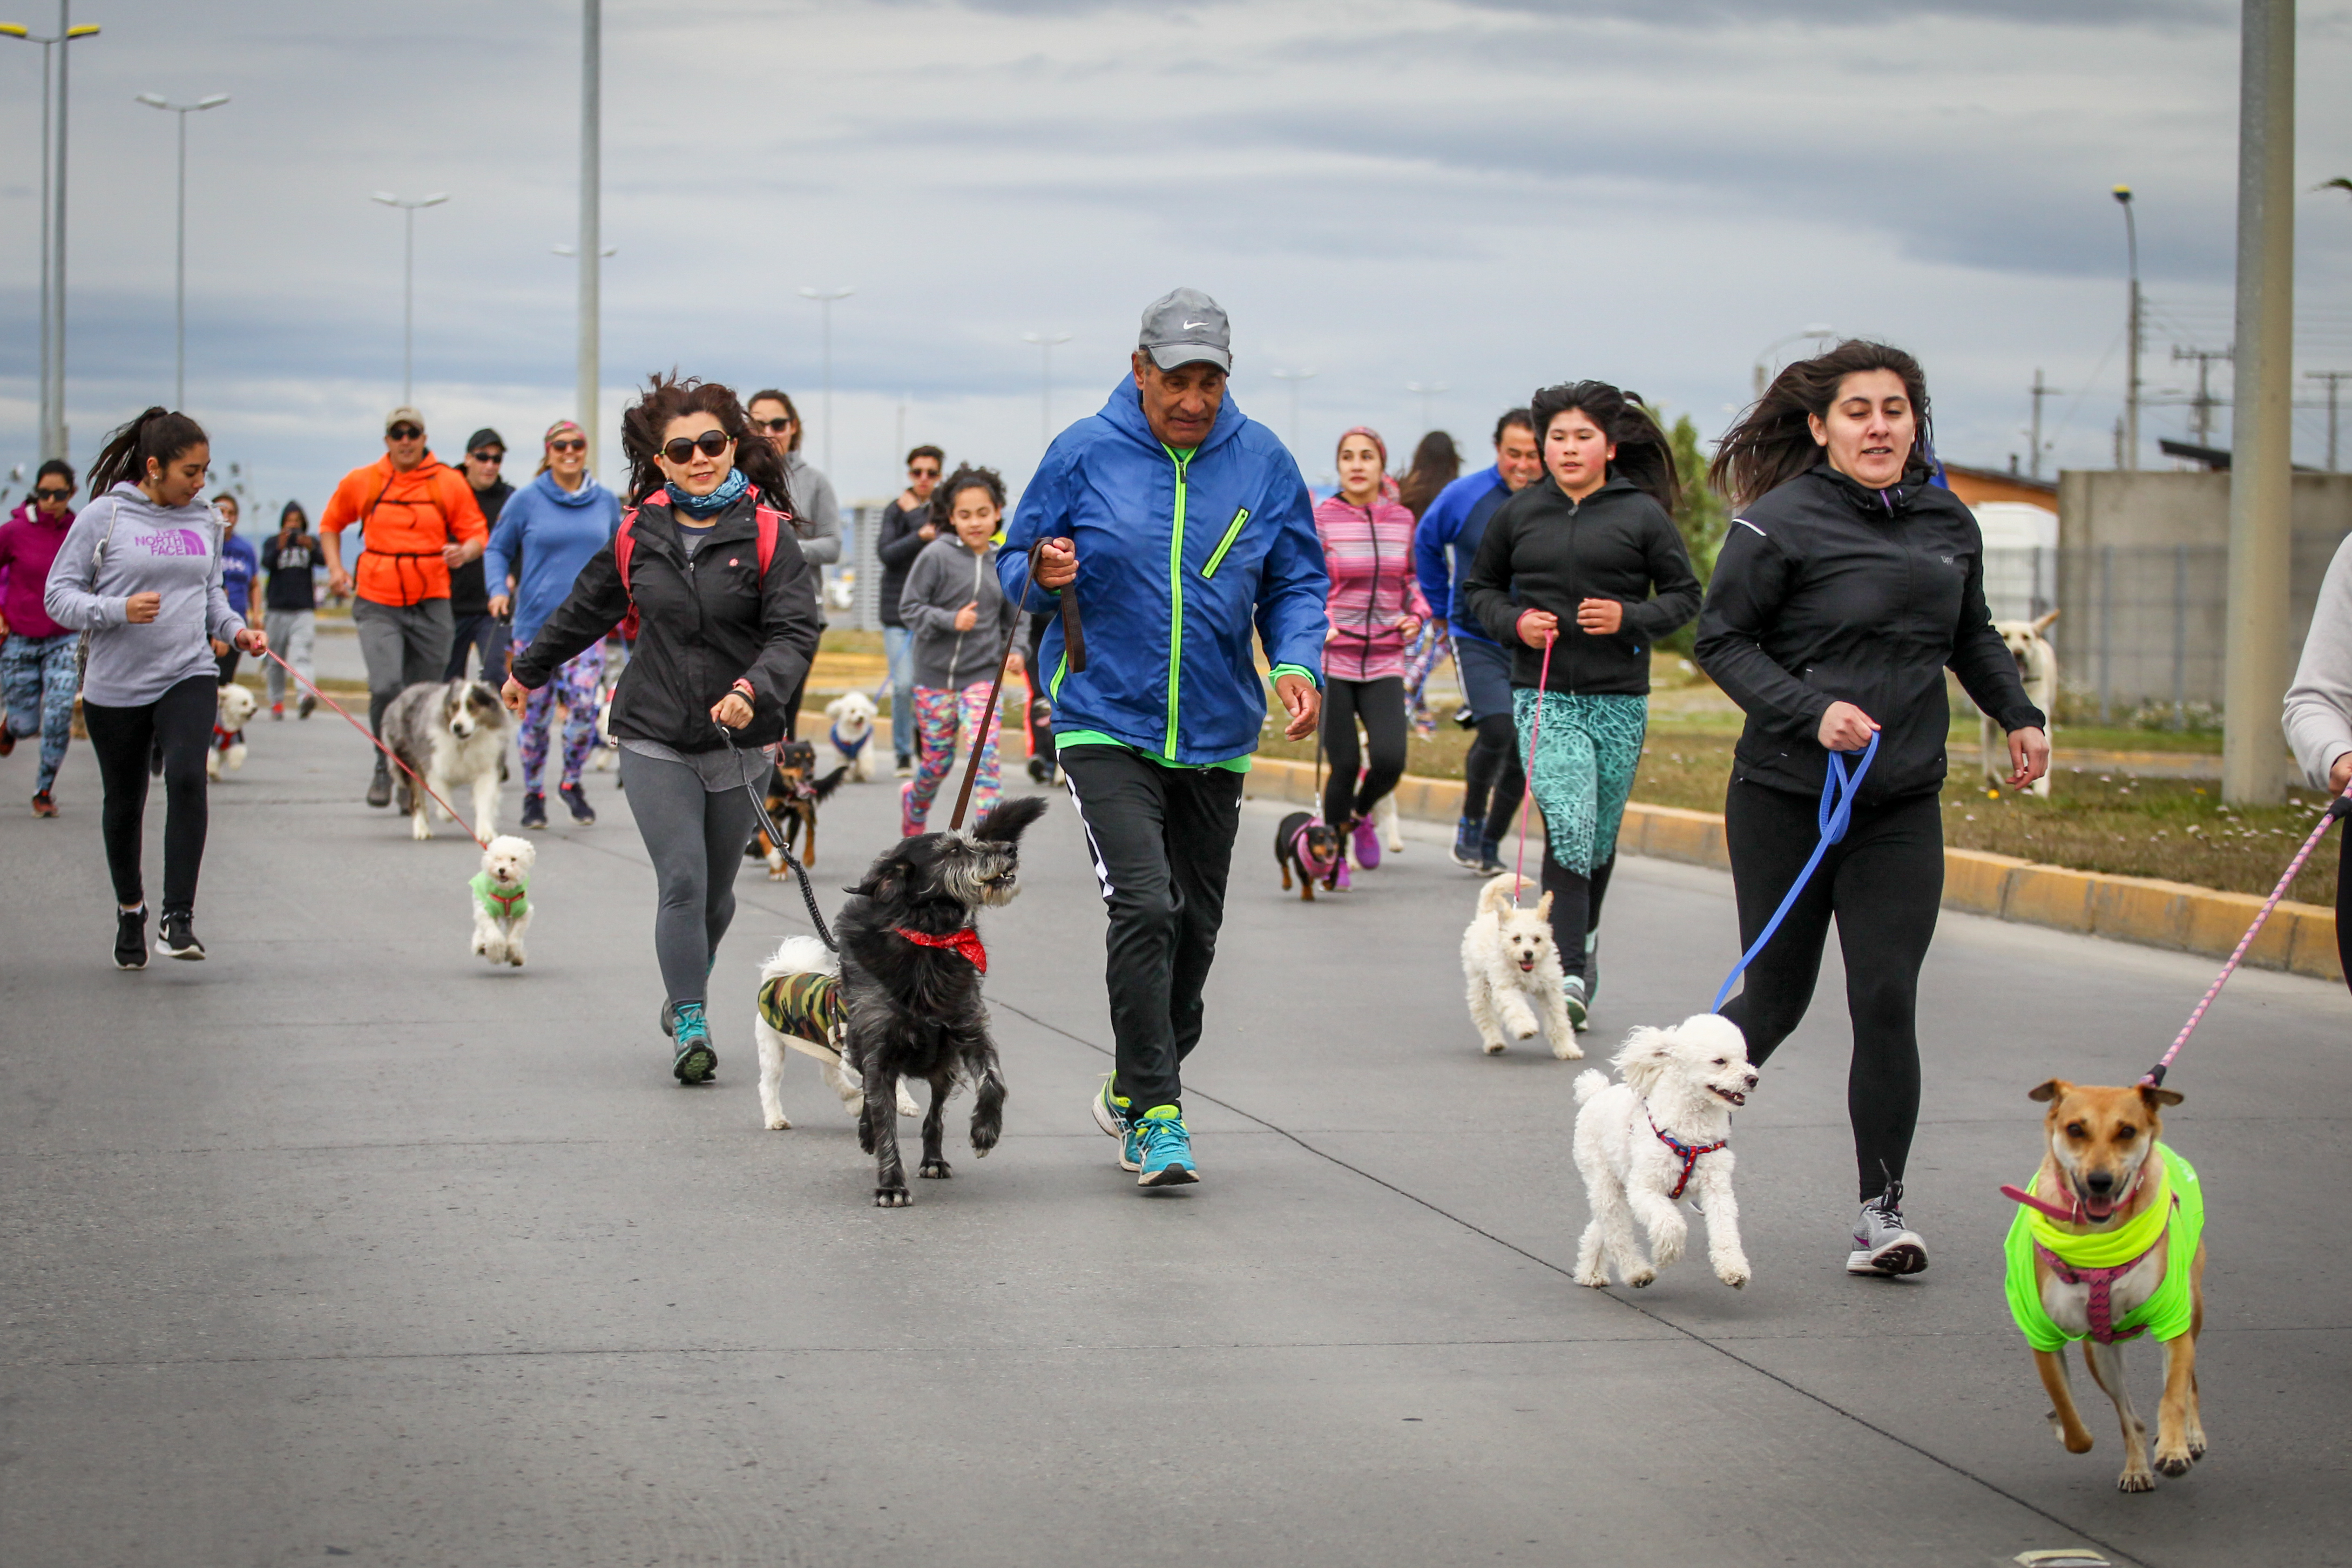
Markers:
<point>573,685</point>
<point>38,675</point>
<point>940,713</point>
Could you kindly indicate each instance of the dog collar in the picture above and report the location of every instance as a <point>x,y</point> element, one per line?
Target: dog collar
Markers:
<point>2121,1246</point>
<point>847,748</point>
<point>1687,1153</point>
<point>965,942</point>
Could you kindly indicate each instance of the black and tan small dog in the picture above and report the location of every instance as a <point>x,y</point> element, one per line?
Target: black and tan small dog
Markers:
<point>1308,844</point>
<point>793,793</point>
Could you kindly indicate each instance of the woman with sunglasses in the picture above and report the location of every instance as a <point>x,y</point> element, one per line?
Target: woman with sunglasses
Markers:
<point>721,644</point>
<point>819,523</point>
<point>38,667</point>
<point>546,534</point>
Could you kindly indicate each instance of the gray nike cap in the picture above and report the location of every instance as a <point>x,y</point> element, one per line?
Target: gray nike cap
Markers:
<point>1186,327</point>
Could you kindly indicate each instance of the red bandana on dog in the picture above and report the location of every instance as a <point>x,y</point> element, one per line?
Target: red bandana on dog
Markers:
<point>965,942</point>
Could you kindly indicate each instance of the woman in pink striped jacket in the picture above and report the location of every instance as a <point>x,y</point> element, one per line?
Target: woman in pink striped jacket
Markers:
<point>1376,609</point>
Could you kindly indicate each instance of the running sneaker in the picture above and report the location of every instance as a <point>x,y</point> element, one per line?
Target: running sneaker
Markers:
<point>905,770</point>
<point>1592,966</point>
<point>1883,1243</point>
<point>7,740</point>
<point>1490,857</point>
<point>379,790</point>
<point>42,805</point>
<point>576,798</point>
<point>534,810</point>
<point>694,1061</point>
<point>1572,988</point>
<point>130,938</point>
<point>1040,771</point>
<point>1340,882</point>
<point>278,712</point>
<point>306,707</point>
<point>1163,1149</point>
<point>1367,835</point>
<point>1110,1115</point>
<point>179,936</point>
<point>1465,845</point>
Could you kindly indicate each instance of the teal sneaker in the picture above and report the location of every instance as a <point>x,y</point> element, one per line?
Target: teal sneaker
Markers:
<point>1111,1116</point>
<point>1573,989</point>
<point>695,1060</point>
<point>1165,1149</point>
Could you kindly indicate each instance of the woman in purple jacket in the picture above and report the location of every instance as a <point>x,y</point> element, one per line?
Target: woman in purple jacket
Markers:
<point>37,669</point>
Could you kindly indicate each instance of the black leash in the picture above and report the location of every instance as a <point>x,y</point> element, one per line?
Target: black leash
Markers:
<point>760,805</point>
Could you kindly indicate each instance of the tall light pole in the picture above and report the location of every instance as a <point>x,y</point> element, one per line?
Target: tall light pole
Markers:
<point>1823,332</point>
<point>1045,341</point>
<point>2131,334</point>
<point>825,297</point>
<point>2041,390</point>
<point>1425,391</point>
<point>591,73</point>
<point>408,205</point>
<point>53,225</point>
<point>180,271</point>
<point>1294,377</point>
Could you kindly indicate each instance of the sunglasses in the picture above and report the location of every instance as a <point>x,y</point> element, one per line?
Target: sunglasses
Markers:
<point>924,473</point>
<point>711,443</point>
<point>582,447</point>
<point>487,455</point>
<point>52,495</point>
<point>773,427</point>
<point>405,433</point>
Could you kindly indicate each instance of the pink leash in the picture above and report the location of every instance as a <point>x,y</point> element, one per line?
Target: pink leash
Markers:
<point>379,745</point>
<point>1534,733</point>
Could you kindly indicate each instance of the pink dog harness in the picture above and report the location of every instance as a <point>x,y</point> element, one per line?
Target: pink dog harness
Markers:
<point>1298,851</point>
<point>1686,1153</point>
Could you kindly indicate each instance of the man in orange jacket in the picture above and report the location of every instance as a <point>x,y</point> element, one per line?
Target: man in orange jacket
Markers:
<point>417,520</point>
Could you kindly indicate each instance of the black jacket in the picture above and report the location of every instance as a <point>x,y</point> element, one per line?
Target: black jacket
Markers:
<point>1827,591</point>
<point>1545,551</point>
<point>469,589</point>
<point>702,624</point>
<point>896,545</point>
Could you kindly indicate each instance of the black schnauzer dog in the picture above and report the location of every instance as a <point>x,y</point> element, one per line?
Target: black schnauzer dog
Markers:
<point>910,971</point>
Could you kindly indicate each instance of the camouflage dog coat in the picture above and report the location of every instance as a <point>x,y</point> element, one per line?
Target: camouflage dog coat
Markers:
<point>805,1007</point>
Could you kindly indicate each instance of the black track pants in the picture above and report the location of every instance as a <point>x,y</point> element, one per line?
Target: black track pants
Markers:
<point>1495,778</point>
<point>1162,842</point>
<point>1885,881</point>
<point>123,738</point>
<point>1380,705</point>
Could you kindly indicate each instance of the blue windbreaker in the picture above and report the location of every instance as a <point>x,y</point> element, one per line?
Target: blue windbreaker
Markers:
<point>1457,522</point>
<point>1177,560</point>
<point>544,535</point>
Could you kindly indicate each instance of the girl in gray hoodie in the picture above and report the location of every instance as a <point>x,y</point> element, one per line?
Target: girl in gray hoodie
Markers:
<point>961,617</point>
<point>140,573</point>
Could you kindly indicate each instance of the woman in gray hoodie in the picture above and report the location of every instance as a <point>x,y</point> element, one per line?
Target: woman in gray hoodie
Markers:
<point>140,572</point>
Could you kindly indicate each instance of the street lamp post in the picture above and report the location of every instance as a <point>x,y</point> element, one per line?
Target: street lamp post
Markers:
<point>180,271</point>
<point>1764,359</point>
<point>1294,377</point>
<point>1045,341</point>
<point>825,297</point>
<point>1426,390</point>
<point>53,225</point>
<point>408,205</point>
<point>2131,332</point>
<point>592,77</point>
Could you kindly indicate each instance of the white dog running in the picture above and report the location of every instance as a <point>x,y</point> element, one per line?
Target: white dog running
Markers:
<point>501,898</point>
<point>235,709</point>
<point>1510,966</point>
<point>849,741</point>
<point>1640,1144</point>
<point>813,1023</point>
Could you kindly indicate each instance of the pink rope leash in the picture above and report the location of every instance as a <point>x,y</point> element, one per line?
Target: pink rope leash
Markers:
<point>379,745</point>
<point>2338,807</point>
<point>1527,804</point>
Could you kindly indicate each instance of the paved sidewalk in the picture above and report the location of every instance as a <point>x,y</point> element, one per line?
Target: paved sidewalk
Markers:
<point>343,1245</point>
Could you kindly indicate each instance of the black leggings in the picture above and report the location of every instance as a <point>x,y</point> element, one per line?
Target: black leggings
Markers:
<point>1380,705</point>
<point>1496,778</point>
<point>2343,900</point>
<point>1884,882</point>
<point>181,723</point>
<point>1575,911</point>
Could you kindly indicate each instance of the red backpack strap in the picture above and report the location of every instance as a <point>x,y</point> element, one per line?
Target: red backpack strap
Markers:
<point>770,522</point>
<point>624,545</point>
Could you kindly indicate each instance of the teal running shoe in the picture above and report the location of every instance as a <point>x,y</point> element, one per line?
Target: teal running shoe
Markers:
<point>1111,1116</point>
<point>1573,989</point>
<point>695,1060</point>
<point>1165,1149</point>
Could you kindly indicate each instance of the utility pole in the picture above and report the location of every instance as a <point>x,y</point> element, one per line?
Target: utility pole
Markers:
<point>53,433</point>
<point>2132,336</point>
<point>592,256</point>
<point>408,207</point>
<point>2256,661</point>
<point>2334,378</point>
<point>2041,391</point>
<point>1045,341</point>
<point>180,272</point>
<point>2201,407</point>
<point>1294,377</point>
<point>825,297</point>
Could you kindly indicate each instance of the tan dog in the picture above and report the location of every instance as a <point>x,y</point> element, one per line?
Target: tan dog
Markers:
<point>2102,1171</point>
<point>2037,665</point>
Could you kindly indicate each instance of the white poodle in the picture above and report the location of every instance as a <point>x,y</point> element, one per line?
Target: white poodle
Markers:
<point>800,1009</point>
<point>849,741</point>
<point>501,890</point>
<point>234,708</point>
<point>1666,1128</point>
<point>1511,967</point>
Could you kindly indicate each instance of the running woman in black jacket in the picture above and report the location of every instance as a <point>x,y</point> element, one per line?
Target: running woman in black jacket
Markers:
<point>1846,587</point>
<point>1572,562</point>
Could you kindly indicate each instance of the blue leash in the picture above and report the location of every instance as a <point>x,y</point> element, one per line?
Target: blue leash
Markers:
<point>1838,790</point>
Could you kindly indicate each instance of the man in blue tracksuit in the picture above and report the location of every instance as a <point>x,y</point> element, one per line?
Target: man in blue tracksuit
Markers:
<point>1443,546</point>
<point>1181,526</point>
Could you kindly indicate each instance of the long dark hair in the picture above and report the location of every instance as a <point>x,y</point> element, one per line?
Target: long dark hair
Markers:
<point>666,398</point>
<point>1436,463</point>
<point>1772,443</point>
<point>159,434</point>
<point>1643,454</point>
<point>967,477</point>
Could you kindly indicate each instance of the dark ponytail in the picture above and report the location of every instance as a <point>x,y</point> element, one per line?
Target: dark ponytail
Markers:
<point>1643,454</point>
<point>159,434</point>
<point>1773,442</point>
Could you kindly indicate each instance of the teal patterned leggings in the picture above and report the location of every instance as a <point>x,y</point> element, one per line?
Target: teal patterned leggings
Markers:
<point>1584,771</point>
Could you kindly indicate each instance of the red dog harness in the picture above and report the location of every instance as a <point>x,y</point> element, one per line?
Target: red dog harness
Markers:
<point>2101,1306</point>
<point>224,739</point>
<point>965,942</point>
<point>1686,1153</point>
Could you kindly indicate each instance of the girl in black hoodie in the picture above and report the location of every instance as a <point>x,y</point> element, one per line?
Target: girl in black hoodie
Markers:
<point>1573,563</point>
<point>1847,586</point>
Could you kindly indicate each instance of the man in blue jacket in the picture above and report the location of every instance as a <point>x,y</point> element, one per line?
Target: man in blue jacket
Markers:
<point>1181,526</point>
<point>1443,546</point>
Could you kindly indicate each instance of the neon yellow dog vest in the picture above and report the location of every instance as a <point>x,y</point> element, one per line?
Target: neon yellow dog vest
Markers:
<point>2180,1204</point>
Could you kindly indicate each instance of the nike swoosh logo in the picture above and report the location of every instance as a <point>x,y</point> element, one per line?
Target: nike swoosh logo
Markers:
<point>1190,325</point>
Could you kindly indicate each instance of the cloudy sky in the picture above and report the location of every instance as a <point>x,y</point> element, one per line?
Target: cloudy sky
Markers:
<point>1486,196</point>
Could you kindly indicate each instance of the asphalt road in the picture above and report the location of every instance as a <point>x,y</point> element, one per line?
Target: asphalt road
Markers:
<point>341,1244</point>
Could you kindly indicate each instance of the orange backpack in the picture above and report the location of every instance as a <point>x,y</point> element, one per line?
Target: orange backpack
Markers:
<point>624,545</point>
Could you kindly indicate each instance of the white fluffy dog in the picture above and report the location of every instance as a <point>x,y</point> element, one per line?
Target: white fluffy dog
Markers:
<point>501,890</point>
<point>236,706</point>
<point>2037,665</point>
<point>849,743</point>
<point>1391,830</point>
<point>448,734</point>
<point>800,1010</point>
<point>1640,1144</point>
<point>1511,967</point>
<point>603,756</point>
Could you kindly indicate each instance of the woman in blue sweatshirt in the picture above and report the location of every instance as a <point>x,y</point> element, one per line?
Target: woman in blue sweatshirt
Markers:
<point>548,530</point>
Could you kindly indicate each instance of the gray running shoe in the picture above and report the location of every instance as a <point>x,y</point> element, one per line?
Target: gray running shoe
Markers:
<point>1883,1243</point>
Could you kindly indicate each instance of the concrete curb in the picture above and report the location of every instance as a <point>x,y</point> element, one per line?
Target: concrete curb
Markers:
<point>2298,938</point>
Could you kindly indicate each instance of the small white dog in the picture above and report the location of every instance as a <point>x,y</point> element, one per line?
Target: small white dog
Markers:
<point>849,743</point>
<point>448,734</point>
<point>2037,665</point>
<point>501,891</point>
<point>800,1009</point>
<point>236,706</point>
<point>1511,967</point>
<point>604,755</point>
<point>1391,830</point>
<point>1640,1144</point>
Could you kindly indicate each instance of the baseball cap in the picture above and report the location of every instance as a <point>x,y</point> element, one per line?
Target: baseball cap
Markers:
<point>404,414</point>
<point>1186,327</point>
<point>485,437</point>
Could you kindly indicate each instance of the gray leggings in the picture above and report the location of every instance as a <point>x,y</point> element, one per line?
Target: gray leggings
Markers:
<point>695,839</point>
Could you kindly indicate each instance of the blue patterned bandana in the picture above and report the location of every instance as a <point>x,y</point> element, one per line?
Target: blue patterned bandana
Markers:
<point>730,490</point>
